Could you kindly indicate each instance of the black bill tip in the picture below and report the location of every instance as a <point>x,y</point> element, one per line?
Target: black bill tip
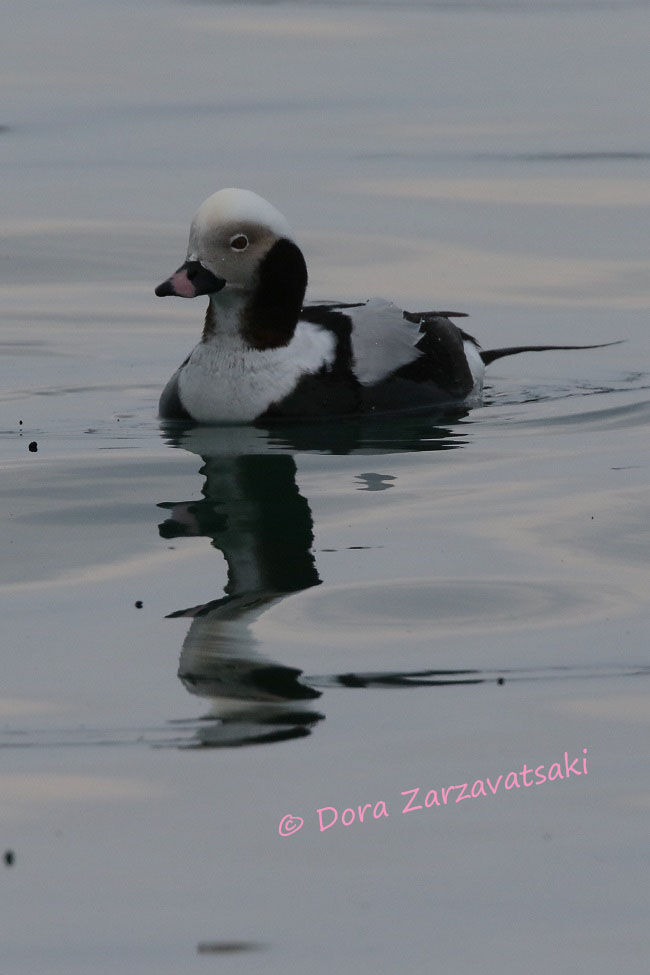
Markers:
<point>190,280</point>
<point>165,289</point>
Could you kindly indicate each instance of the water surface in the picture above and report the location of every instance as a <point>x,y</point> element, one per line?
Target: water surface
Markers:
<point>209,630</point>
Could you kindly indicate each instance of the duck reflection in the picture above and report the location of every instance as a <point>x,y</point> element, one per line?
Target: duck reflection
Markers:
<point>253,512</point>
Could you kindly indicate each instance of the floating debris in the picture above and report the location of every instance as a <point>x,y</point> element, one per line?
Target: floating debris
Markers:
<point>226,947</point>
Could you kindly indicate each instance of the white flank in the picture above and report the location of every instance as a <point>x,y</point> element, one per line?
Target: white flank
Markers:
<point>477,368</point>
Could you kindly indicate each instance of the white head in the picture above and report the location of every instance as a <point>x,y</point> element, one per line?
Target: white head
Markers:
<point>231,233</point>
<point>232,208</point>
<point>243,246</point>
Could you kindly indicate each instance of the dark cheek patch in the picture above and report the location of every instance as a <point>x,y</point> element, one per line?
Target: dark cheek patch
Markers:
<point>271,316</point>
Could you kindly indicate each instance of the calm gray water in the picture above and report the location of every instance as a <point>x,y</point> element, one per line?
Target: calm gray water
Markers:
<point>208,631</point>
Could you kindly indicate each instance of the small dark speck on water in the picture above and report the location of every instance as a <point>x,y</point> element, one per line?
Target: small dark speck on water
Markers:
<point>20,423</point>
<point>9,858</point>
<point>138,604</point>
<point>33,447</point>
<point>226,947</point>
<point>501,681</point>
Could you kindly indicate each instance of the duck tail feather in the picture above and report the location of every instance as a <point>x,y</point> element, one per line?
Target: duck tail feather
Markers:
<point>489,355</point>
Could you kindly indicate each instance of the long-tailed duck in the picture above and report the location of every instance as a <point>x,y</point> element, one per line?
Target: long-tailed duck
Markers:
<point>263,354</point>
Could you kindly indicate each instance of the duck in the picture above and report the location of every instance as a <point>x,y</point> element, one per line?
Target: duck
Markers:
<point>265,354</point>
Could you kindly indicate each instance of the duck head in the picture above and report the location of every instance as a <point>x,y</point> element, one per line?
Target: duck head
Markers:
<point>241,253</point>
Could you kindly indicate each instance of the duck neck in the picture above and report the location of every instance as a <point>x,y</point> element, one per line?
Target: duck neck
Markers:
<point>225,313</point>
<point>266,316</point>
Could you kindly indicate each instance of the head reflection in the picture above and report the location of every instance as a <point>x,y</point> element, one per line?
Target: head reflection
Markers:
<point>252,511</point>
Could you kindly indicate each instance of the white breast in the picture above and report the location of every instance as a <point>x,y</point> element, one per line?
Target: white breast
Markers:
<point>225,381</point>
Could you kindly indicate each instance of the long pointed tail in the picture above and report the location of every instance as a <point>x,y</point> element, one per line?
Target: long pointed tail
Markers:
<point>489,355</point>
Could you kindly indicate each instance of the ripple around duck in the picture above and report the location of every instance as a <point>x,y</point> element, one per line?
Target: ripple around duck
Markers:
<point>383,611</point>
<point>514,391</point>
<point>623,404</point>
<point>611,418</point>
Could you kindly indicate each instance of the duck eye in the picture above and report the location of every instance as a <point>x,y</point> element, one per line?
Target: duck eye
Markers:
<point>239,242</point>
